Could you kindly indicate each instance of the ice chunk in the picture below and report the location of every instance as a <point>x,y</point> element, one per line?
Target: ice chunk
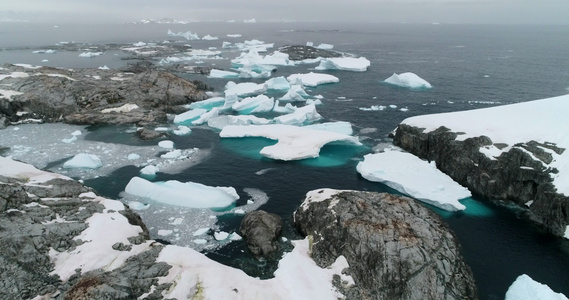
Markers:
<point>312,79</point>
<point>149,170</point>
<point>187,194</point>
<point>325,46</point>
<point>244,89</point>
<point>295,93</point>
<point>189,116</point>
<point>359,64</point>
<point>373,108</point>
<point>208,103</point>
<point>215,73</point>
<point>210,38</point>
<point>254,58</point>
<point>525,288</point>
<point>221,121</point>
<point>294,142</point>
<point>187,35</point>
<point>182,130</point>
<point>206,116</point>
<point>172,154</point>
<point>166,144</point>
<point>339,127</point>
<point>252,105</point>
<point>255,71</point>
<point>278,84</point>
<point>414,177</point>
<point>133,156</point>
<point>303,115</point>
<point>287,109</point>
<point>90,54</point>
<point>137,205</point>
<point>201,231</point>
<point>164,232</point>
<point>83,160</point>
<point>235,35</point>
<point>408,80</point>
<point>235,237</point>
<point>221,235</point>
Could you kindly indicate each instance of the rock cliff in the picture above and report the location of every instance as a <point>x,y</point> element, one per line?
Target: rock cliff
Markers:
<point>396,248</point>
<point>519,175</point>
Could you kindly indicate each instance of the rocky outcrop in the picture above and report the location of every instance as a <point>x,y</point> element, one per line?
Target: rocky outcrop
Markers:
<point>93,96</point>
<point>261,230</point>
<point>518,175</point>
<point>396,248</point>
<point>300,52</point>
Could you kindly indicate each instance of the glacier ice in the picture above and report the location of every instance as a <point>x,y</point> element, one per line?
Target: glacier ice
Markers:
<point>186,194</point>
<point>408,80</point>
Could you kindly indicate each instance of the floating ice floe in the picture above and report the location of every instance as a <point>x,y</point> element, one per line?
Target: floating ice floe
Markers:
<point>359,64</point>
<point>166,144</point>
<point>189,116</point>
<point>235,35</point>
<point>339,127</point>
<point>210,38</point>
<point>214,112</point>
<point>303,115</point>
<point>186,194</point>
<point>525,288</point>
<point>408,80</point>
<point>182,130</point>
<point>373,108</point>
<point>257,104</point>
<point>221,121</point>
<point>294,143</point>
<point>244,89</point>
<point>215,73</point>
<point>295,93</point>
<point>511,125</point>
<point>48,51</point>
<point>90,54</point>
<point>414,177</point>
<point>312,79</point>
<point>188,35</point>
<point>277,84</point>
<point>83,160</point>
<point>208,103</point>
<point>287,109</point>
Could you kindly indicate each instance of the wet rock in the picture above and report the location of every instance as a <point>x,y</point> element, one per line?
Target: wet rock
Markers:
<point>395,247</point>
<point>300,52</point>
<point>149,134</point>
<point>514,175</point>
<point>261,230</point>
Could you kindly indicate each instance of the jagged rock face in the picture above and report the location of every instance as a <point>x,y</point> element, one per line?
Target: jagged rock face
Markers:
<point>300,52</point>
<point>79,96</point>
<point>514,175</point>
<point>396,248</point>
<point>261,230</point>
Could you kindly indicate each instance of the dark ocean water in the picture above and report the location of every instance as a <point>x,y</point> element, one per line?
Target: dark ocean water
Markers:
<point>469,66</point>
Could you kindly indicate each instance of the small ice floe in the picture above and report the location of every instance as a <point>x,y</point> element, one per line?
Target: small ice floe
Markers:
<point>83,160</point>
<point>90,54</point>
<point>359,64</point>
<point>312,79</point>
<point>525,288</point>
<point>408,80</point>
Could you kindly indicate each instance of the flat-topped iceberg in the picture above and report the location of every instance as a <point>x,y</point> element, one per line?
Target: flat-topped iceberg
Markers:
<point>312,79</point>
<point>187,194</point>
<point>189,116</point>
<point>221,121</point>
<point>359,64</point>
<point>525,288</point>
<point>339,127</point>
<point>254,58</point>
<point>408,80</point>
<point>215,73</point>
<point>83,160</point>
<point>244,89</point>
<point>257,104</point>
<point>294,143</point>
<point>303,115</point>
<point>415,177</point>
<point>187,35</point>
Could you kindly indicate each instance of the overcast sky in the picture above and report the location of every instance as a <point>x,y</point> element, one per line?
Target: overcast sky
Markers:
<point>413,11</point>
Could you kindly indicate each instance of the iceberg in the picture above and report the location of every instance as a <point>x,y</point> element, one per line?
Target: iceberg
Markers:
<point>187,35</point>
<point>215,73</point>
<point>277,84</point>
<point>257,104</point>
<point>221,121</point>
<point>189,116</point>
<point>83,160</point>
<point>408,80</point>
<point>208,103</point>
<point>182,130</point>
<point>325,46</point>
<point>295,93</point>
<point>210,38</point>
<point>312,79</point>
<point>525,288</point>
<point>414,177</point>
<point>186,194</point>
<point>214,112</point>
<point>287,109</point>
<point>255,71</point>
<point>303,115</point>
<point>244,89</point>
<point>339,127</point>
<point>294,143</point>
<point>149,170</point>
<point>166,144</point>
<point>359,64</point>
<point>90,54</point>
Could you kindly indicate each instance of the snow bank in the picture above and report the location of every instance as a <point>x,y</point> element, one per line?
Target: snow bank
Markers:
<point>312,79</point>
<point>408,80</point>
<point>83,160</point>
<point>525,288</point>
<point>188,194</point>
<point>294,143</point>
<point>18,170</point>
<point>415,177</point>
<point>510,125</point>
<point>359,64</point>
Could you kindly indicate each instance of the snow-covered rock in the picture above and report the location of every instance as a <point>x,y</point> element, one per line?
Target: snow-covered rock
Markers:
<point>408,80</point>
<point>294,143</point>
<point>312,79</point>
<point>414,177</point>
<point>359,64</point>
<point>83,160</point>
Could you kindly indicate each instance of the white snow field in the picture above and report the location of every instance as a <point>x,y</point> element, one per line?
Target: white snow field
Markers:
<point>312,79</point>
<point>525,288</point>
<point>359,64</point>
<point>294,143</point>
<point>414,177</point>
<point>408,80</point>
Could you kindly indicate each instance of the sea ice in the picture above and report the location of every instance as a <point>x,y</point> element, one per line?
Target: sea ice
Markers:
<point>201,231</point>
<point>525,288</point>
<point>287,109</point>
<point>189,116</point>
<point>303,115</point>
<point>188,194</point>
<point>244,89</point>
<point>166,144</point>
<point>187,35</point>
<point>208,103</point>
<point>221,121</point>
<point>149,170</point>
<point>278,84</point>
<point>90,54</point>
<point>312,79</point>
<point>210,38</point>
<point>408,80</point>
<point>221,235</point>
<point>215,73</point>
<point>214,112</point>
<point>83,160</point>
<point>339,127</point>
<point>133,156</point>
<point>295,93</point>
<point>414,177</point>
<point>294,143</point>
<point>359,64</point>
<point>182,130</point>
<point>257,104</point>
